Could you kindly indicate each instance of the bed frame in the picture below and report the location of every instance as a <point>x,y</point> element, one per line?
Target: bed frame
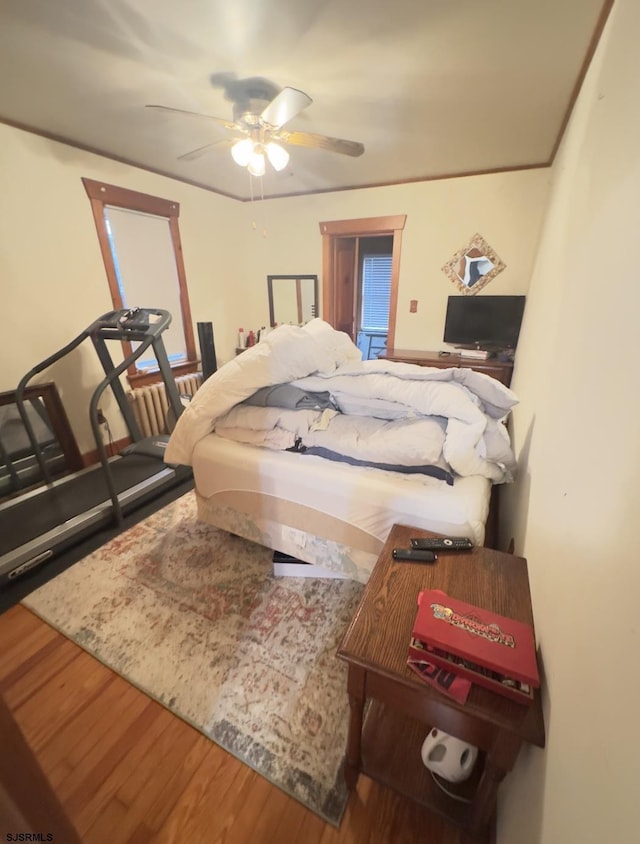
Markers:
<point>276,499</point>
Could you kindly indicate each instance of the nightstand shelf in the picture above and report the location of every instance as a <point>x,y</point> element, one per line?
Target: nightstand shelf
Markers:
<point>391,743</point>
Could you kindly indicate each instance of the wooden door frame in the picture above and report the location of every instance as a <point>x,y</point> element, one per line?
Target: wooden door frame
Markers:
<point>364,227</point>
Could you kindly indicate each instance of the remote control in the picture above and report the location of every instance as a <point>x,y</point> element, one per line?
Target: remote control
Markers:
<point>413,555</point>
<point>453,543</point>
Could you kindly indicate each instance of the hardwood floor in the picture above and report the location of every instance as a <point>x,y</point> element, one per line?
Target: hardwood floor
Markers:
<point>127,771</point>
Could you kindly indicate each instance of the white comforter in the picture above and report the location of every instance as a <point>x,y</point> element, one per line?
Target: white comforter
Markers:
<point>389,412</point>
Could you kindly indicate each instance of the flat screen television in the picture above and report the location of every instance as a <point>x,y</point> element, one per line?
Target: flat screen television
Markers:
<point>487,322</point>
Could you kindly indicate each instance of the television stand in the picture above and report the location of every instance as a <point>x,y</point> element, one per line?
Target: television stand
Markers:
<point>500,370</point>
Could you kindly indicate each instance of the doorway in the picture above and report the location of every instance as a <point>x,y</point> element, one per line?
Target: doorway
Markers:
<point>344,242</point>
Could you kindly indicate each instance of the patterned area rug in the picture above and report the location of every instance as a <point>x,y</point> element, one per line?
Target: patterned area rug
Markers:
<point>195,618</point>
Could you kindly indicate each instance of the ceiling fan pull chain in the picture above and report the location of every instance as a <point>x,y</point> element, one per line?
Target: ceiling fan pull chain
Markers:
<point>253,222</point>
<point>264,228</point>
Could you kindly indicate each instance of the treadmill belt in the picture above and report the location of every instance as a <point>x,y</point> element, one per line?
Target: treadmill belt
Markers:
<point>27,519</point>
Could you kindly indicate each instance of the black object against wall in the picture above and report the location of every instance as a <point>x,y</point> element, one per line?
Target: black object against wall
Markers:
<point>491,322</point>
<point>207,349</point>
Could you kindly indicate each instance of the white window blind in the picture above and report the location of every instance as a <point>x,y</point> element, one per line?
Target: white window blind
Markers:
<point>145,266</point>
<point>376,292</point>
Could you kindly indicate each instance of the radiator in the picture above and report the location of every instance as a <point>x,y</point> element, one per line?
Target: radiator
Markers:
<point>150,404</point>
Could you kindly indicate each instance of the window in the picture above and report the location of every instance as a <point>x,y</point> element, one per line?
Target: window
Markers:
<point>376,292</point>
<point>140,244</point>
<point>375,280</point>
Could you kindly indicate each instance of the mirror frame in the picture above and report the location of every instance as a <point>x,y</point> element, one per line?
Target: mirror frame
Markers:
<point>60,426</point>
<point>451,267</point>
<point>297,279</point>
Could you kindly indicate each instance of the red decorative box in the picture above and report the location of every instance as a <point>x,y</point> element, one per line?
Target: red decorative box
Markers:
<point>488,649</point>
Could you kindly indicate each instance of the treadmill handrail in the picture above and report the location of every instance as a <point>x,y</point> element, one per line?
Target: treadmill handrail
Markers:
<point>93,413</point>
<point>131,324</point>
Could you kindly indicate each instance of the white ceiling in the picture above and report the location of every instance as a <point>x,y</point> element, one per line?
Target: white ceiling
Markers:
<point>430,87</point>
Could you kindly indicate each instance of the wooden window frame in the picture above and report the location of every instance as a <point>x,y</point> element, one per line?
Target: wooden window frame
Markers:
<point>101,194</point>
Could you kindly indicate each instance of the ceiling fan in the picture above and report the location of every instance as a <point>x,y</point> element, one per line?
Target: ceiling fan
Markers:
<point>258,128</point>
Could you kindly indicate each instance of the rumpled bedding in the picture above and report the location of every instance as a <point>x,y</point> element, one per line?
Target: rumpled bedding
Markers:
<point>307,389</point>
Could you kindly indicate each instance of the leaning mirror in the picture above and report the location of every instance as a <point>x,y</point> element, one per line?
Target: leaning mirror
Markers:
<point>19,467</point>
<point>293,299</point>
<point>473,266</point>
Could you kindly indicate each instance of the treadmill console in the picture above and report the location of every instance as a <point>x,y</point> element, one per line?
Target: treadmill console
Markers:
<point>130,320</point>
<point>134,319</point>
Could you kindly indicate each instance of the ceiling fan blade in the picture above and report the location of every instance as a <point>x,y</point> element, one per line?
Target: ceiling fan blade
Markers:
<point>228,124</point>
<point>284,107</point>
<point>196,153</point>
<point>311,141</point>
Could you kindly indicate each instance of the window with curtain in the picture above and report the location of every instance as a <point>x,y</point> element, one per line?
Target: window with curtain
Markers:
<point>145,270</point>
<point>376,293</point>
<point>139,239</point>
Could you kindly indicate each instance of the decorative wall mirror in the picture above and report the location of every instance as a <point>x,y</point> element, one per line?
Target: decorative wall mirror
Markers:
<point>473,266</point>
<point>292,299</point>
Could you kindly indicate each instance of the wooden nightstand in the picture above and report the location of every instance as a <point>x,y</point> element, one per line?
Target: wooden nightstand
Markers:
<point>400,709</point>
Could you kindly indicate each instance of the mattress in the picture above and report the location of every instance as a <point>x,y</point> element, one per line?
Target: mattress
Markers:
<point>333,515</point>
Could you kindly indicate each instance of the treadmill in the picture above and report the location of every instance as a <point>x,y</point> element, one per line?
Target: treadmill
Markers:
<point>38,525</point>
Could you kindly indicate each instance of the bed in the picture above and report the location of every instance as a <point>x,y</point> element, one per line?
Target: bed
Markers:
<point>301,446</point>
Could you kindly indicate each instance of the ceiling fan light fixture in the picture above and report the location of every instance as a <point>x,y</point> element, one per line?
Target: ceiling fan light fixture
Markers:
<point>242,151</point>
<point>256,165</point>
<point>257,132</point>
<point>277,155</point>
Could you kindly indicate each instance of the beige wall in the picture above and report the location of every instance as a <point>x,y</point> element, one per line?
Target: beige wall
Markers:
<point>52,276</point>
<point>576,506</point>
<point>505,208</point>
<point>54,282</point>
